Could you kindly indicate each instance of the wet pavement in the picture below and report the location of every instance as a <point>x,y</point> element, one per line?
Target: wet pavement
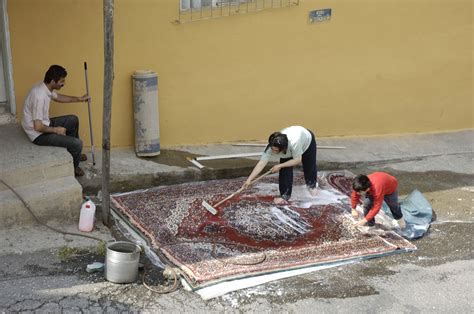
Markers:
<point>436,278</point>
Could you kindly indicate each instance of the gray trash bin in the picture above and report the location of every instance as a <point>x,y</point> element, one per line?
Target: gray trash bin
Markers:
<point>145,103</point>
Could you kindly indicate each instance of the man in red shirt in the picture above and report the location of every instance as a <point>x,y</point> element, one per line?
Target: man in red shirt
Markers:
<point>376,187</point>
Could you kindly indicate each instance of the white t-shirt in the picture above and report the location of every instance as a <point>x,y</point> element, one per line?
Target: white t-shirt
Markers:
<point>36,107</point>
<point>299,140</point>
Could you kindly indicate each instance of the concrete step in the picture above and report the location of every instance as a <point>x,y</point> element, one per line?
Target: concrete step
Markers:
<point>24,163</point>
<point>43,176</point>
<point>6,118</point>
<point>33,173</point>
<point>57,200</point>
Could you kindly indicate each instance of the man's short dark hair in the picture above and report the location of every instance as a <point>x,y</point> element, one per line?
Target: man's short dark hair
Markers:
<point>54,73</point>
<point>278,140</point>
<point>361,183</point>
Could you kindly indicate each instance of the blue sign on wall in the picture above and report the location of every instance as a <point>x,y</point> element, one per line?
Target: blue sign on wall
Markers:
<point>319,15</point>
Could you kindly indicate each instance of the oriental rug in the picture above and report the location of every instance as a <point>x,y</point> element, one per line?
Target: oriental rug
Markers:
<point>251,235</point>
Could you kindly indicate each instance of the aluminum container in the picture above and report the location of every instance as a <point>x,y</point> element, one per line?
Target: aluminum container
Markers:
<point>121,262</point>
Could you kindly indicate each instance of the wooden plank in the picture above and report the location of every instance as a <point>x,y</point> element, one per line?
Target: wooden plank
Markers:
<point>228,156</point>
<point>264,145</point>
<point>195,162</point>
<point>249,144</point>
<point>331,147</point>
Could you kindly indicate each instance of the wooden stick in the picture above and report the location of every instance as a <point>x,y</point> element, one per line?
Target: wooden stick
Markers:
<point>241,189</point>
<point>229,197</point>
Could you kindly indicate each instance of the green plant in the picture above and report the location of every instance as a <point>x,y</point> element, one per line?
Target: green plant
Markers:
<point>66,252</point>
<point>101,248</point>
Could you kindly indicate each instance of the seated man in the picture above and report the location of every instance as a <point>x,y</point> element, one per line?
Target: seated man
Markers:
<point>377,187</point>
<point>59,131</point>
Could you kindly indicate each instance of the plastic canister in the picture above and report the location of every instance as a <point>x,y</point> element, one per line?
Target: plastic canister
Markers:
<point>86,219</point>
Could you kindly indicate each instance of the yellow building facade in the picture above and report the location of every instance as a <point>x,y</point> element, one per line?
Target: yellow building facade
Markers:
<point>376,67</point>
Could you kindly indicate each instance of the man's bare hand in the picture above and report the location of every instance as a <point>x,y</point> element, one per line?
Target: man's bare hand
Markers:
<point>355,213</point>
<point>84,98</point>
<point>246,184</point>
<point>361,223</point>
<point>60,130</point>
<point>275,168</point>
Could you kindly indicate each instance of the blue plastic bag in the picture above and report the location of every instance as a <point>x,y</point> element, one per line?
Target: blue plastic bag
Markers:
<point>417,213</point>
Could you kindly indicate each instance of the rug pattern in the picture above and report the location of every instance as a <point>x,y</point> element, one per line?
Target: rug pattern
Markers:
<point>250,234</point>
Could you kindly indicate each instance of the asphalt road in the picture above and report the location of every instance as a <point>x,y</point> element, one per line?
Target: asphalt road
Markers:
<point>437,278</point>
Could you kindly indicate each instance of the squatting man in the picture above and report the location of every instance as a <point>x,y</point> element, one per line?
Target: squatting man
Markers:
<point>377,187</point>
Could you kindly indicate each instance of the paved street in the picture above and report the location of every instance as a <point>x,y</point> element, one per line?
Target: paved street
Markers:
<point>438,277</point>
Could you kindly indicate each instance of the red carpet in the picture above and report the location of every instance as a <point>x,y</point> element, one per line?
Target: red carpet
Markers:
<point>251,235</point>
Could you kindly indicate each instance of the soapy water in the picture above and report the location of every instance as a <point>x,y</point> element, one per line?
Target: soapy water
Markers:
<point>267,222</point>
<point>281,218</point>
<point>288,220</point>
<point>302,197</point>
<point>284,221</point>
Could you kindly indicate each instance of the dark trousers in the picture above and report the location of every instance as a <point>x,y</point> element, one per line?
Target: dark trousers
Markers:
<point>310,170</point>
<point>70,141</point>
<point>392,202</point>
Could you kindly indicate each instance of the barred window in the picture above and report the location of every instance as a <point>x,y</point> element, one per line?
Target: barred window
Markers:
<point>194,10</point>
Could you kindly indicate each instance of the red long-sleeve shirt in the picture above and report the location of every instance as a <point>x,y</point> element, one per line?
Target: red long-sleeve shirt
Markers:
<point>381,184</point>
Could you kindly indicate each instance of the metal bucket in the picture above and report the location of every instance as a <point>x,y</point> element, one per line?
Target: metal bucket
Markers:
<point>121,262</point>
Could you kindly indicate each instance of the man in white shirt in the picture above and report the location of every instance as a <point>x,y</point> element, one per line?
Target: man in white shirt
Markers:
<point>60,131</point>
<point>294,145</point>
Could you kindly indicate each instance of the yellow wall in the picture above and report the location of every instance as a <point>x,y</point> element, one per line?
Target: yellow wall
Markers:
<point>378,67</point>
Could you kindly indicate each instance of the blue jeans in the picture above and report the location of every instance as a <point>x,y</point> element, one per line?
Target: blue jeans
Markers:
<point>70,141</point>
<point>285,179</point>
<point>392,202</point>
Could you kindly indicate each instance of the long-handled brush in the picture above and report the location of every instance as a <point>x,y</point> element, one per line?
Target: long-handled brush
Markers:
<point>212,208</point>
<point>90,117</point>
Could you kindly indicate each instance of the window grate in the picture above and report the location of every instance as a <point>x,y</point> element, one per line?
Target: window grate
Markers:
<point>196,10</point>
